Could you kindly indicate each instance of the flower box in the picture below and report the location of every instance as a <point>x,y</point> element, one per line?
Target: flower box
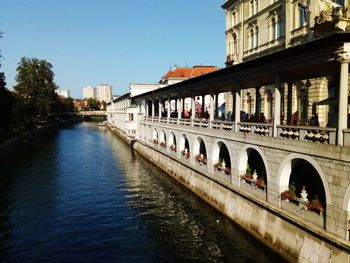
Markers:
<point>173,147</point>
<point>162,144</point>
<point>201,159</point>
<point>155,141</point>
<point>258,182</point>
<point>185,153</point>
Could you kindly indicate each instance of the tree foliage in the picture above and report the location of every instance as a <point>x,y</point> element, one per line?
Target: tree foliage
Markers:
<point>93,104</point>
<point>35,82</point>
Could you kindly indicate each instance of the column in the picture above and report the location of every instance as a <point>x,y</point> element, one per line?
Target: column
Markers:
<point>160,109</point>
<point>183,107</point>
<point>289,101</point>
<point>179,111</point>
<point>216,96</point>
<point>153,109</point>
<point>343,100</point>
<point>203,105</point>
<point>147,108</point>
<point>257,104</point>
<point>169,108</point>
<point>193,108</point>
<point>237,105</point>
<point>277,113</point>
<point>211,107</point>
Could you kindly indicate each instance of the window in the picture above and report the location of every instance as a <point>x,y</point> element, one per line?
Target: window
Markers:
<point>279,27</point>
<point>302,17</point>
<point>256,39</point>
<point>131,117</point>
<point>235,44</point>
<point>234,18</point>
<point>273,29</point>
<point>252,38</point>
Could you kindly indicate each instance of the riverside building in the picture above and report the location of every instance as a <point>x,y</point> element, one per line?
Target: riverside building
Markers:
<point>284,178</point>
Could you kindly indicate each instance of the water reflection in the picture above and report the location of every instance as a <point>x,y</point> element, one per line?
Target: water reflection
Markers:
<point>84,195</point>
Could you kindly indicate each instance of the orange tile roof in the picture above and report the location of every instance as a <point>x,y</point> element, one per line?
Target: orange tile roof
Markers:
<point>186,73</point>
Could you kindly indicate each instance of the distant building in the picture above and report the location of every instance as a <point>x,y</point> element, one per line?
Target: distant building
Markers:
<point>63,93</point>
<point>104,92</point>
<point>89,92</point>
<point>178,74</point>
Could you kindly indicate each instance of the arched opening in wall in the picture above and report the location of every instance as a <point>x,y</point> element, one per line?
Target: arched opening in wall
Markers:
<point>172,142</point>
<point>222,157</point>
<point>307,182</point>
<point>185,146</point>
<point>155,136</point>
<point>162,139</point>
<point>304,192</point>
<point>200,151</point>
<point>255,170</point>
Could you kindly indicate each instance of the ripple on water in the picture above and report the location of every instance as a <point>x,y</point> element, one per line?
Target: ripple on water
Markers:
<point>83,195</point>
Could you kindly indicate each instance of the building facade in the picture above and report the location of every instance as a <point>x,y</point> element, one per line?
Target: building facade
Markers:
<point>257,28</point>
<point>104,92</point>
<point>89,92</point>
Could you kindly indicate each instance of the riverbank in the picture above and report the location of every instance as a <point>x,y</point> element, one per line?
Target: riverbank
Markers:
<point>283,233</point>
<point>16,143</point>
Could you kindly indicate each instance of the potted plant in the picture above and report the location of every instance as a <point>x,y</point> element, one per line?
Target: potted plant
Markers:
<point>162,144</point>
<point>289,194</point>
<point>315,205</point>
<point>155,141</point>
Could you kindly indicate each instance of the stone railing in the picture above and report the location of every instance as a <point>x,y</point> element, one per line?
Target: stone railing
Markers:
<point>315,134</point>
<point>173,120</point>
<point>307,133</point>
<point>186,122</point>
<point>163,120</point>
<point>223,125</point>
<point>203,123</point>
<point>264,129</point>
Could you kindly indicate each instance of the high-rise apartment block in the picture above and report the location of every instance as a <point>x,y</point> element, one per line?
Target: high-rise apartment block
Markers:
<point>89,92</point>
<point>102,93</point>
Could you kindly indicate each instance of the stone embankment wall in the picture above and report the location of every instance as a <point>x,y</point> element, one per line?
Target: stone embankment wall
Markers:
<point>16,143</point>
<point>290,239</point>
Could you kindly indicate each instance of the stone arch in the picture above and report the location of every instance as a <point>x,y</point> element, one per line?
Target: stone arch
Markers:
<point>162,137</point>
<point>155,137</point>
<point>172,141</point>
<point>285,170</point>
<point>346,200</point>
<point>221,153</point>
<point>184,144</point>
<point>200,150</point>
<point>255,153</point>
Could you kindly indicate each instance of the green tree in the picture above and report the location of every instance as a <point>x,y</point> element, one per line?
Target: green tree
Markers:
<point>67,104</point>
<point>35,82</point>
<point>93,104</point>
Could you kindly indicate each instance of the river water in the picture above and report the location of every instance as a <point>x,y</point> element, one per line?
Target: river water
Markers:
<point>82,195</point>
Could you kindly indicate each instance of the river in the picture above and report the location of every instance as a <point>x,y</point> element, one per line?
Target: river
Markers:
<point>82,195</point>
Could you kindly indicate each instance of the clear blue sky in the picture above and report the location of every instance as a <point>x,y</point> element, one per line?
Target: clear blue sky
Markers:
<point>89,42</point>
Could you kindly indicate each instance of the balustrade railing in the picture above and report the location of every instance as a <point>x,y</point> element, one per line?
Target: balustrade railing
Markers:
<point>173,120</point>
<point>223,125</point>
<point>263,129</point>
<point>201,123</point>
<point>186,122</point>
<point>325,135</point>
<point>308,133</point>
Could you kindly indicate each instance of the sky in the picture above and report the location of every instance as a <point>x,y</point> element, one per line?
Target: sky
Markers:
<point>117,42</point>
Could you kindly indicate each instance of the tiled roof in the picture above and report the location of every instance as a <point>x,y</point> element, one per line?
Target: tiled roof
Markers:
<point>186,73</point>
